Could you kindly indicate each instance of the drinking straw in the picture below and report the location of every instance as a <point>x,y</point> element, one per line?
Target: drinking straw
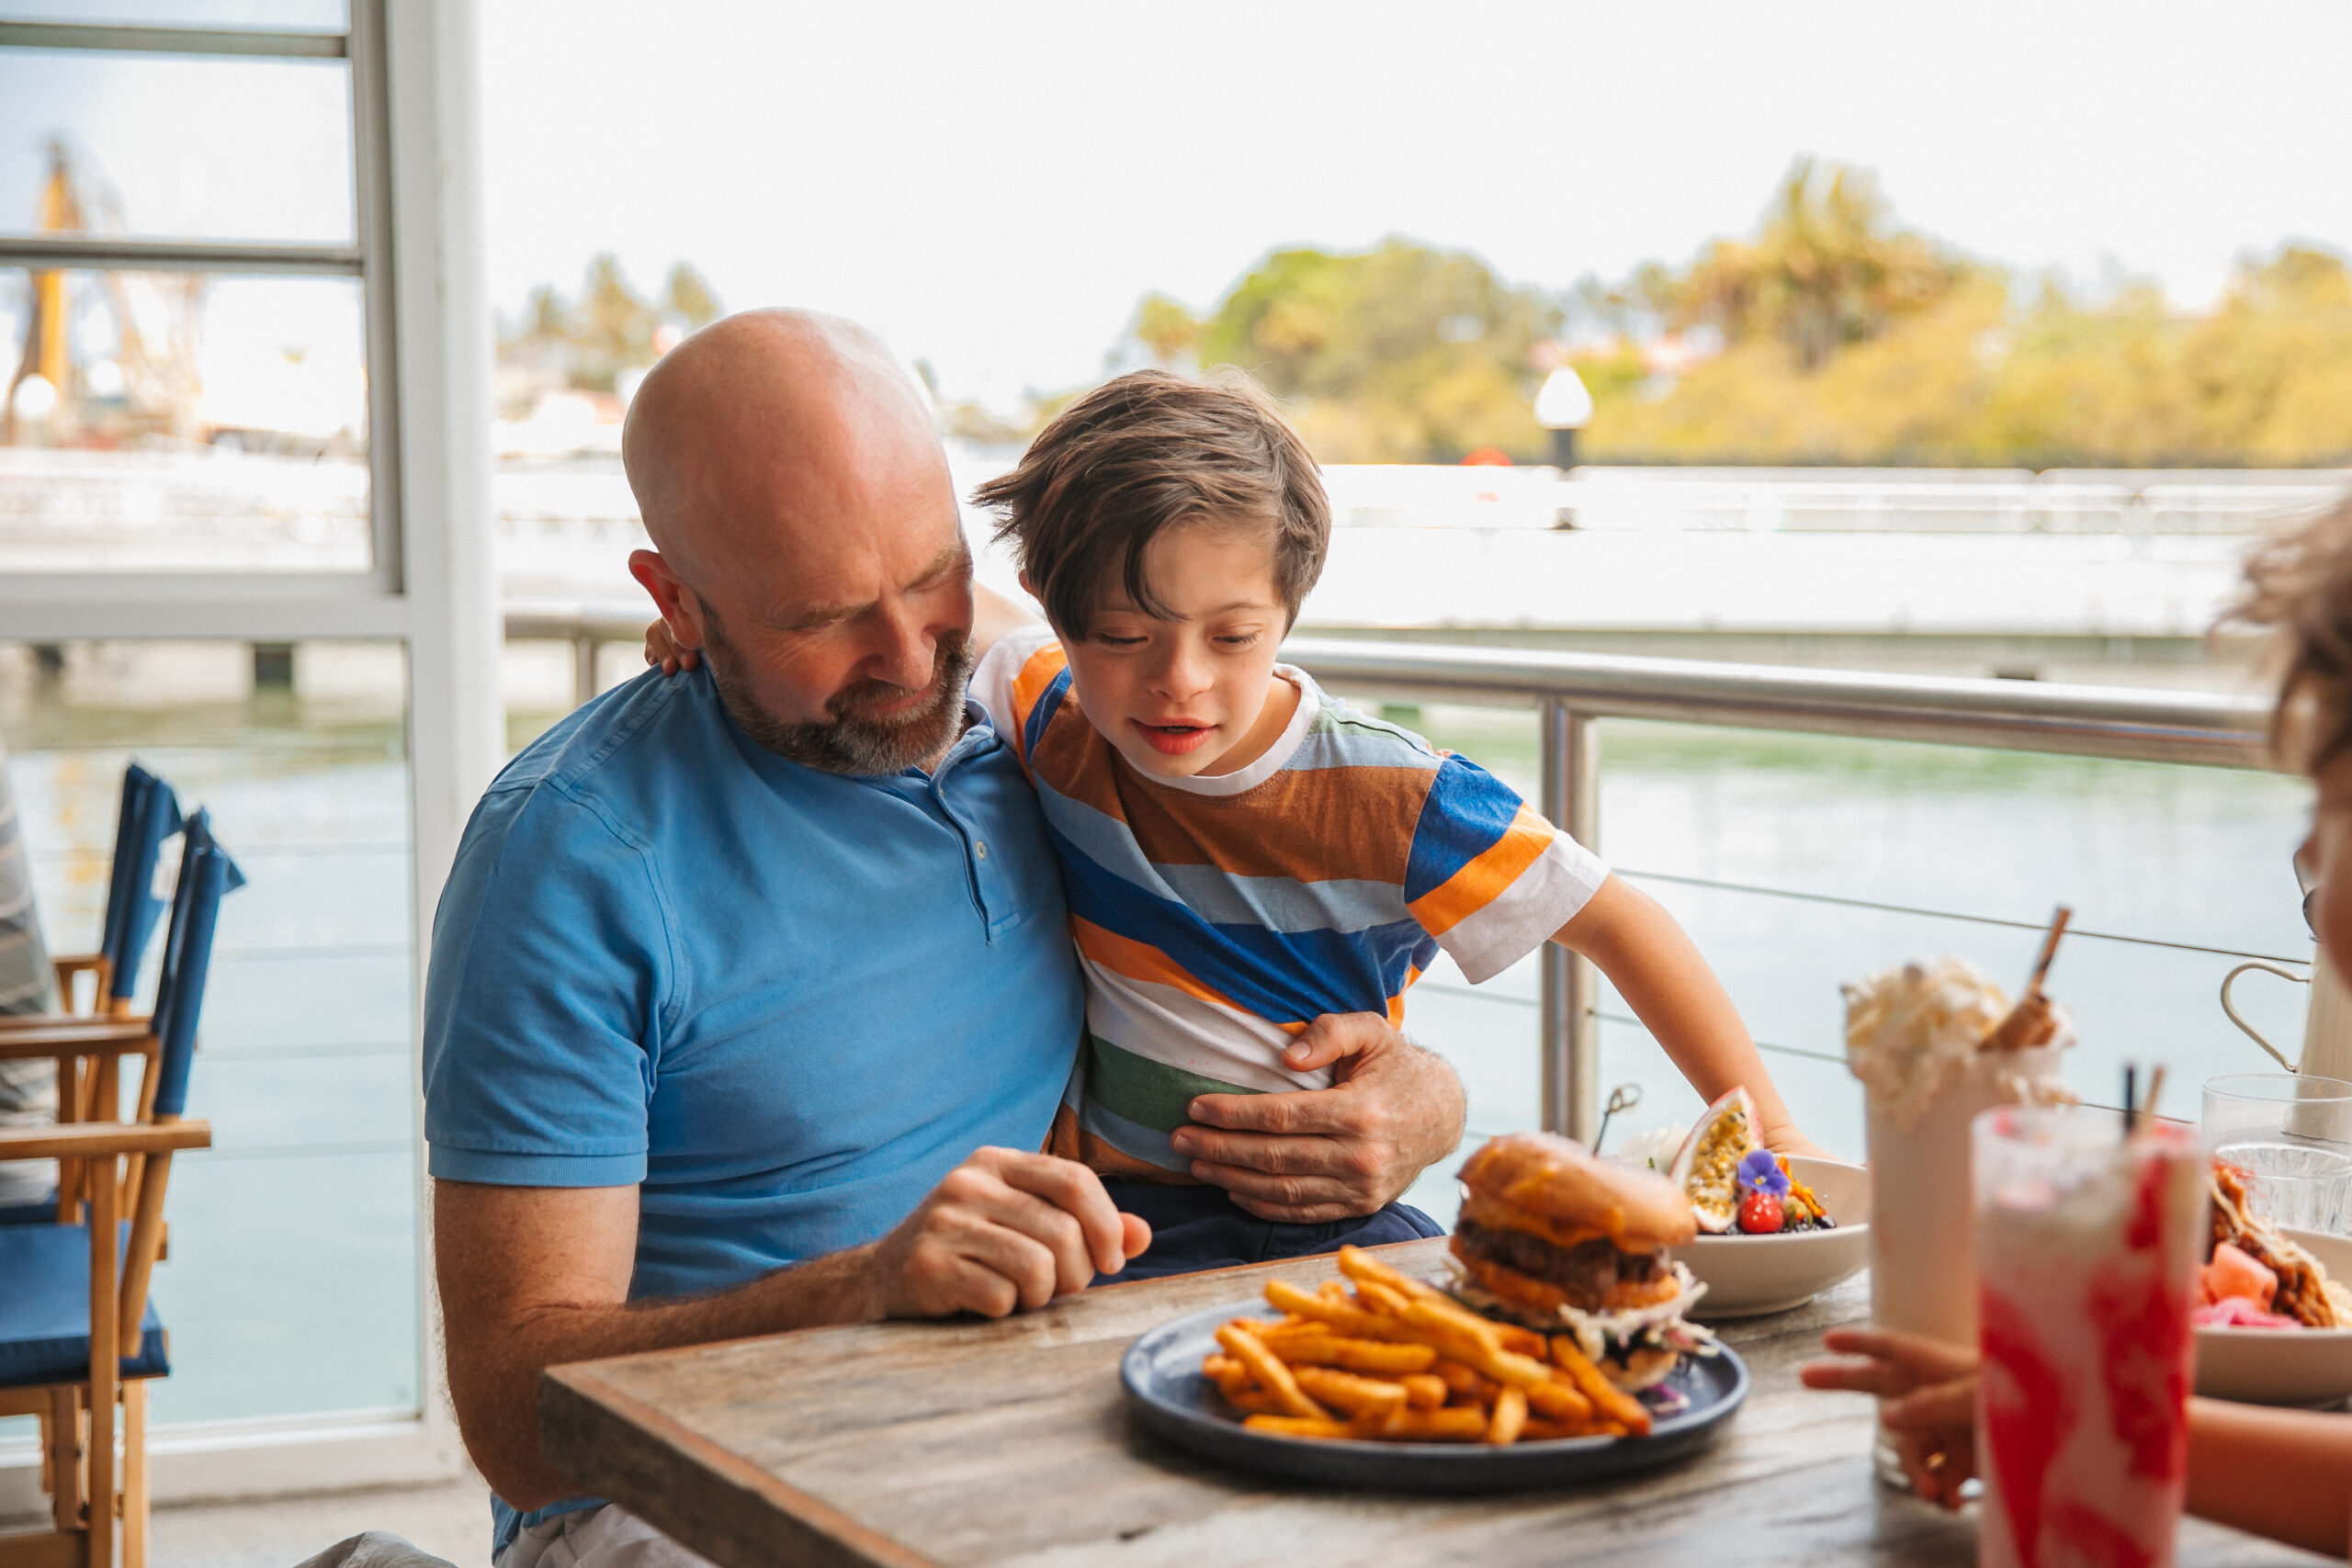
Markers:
<point>2048,949</point>
<point>2131,1099</point>
<point>2156,1087</point>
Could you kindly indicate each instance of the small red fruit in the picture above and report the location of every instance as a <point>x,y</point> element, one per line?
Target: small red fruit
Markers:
<point>1760,1213</point>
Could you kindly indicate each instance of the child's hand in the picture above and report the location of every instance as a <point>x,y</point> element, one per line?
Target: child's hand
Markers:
<point>1927,1393</point>
<point>659,650</point>
<point>1324,1041</point>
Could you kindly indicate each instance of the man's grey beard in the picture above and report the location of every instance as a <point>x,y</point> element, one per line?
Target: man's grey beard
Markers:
<point>849,741</point>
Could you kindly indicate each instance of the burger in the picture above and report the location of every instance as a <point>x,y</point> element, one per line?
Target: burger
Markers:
<point>1555,1238</point>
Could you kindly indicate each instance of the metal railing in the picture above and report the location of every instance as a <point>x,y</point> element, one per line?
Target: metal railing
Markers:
<point>1572,692</point>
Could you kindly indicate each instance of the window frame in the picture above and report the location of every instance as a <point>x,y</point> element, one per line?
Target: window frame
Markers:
<point>431,585</point>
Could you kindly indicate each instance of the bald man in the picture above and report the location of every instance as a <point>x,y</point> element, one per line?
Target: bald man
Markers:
<point>752,994</point>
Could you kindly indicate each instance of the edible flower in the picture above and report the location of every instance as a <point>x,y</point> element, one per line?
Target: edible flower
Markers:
<point>1760,1172</point>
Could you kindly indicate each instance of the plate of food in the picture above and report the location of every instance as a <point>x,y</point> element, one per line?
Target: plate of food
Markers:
<point>1774,1231</point>
<point>2274,1318</point>
<point>1485,1379</point>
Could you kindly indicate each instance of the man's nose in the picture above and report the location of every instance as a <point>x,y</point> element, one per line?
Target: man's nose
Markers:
<point>903,650</point>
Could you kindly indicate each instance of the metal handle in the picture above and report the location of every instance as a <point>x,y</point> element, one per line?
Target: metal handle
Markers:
<point>2250,1032</point>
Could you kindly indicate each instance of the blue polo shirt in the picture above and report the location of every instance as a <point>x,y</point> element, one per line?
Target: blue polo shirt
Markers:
<point>782,1003</point>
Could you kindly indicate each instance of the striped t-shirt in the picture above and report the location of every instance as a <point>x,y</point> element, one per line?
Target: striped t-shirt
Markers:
<point>1216,917</point>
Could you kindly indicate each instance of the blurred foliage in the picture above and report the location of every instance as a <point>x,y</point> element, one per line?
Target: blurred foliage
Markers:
<point>1402,353</point>
<point>588,342</point>
<point>1832,335</point>
<point>1977,376</point>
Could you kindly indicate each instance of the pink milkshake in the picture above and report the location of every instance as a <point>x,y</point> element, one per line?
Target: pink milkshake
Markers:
<point>2086,1251</point>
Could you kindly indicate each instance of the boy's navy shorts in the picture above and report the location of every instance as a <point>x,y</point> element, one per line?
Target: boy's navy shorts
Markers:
<point>1194,1228</point>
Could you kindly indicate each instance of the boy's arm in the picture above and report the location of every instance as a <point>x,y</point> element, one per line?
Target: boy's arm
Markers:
<point>1655,966</point>
<point>993,615</point>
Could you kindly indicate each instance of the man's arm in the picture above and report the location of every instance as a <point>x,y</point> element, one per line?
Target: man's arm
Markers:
<point>1321,1154</point>
<point>1656,968</point>
<point>534,1277</point>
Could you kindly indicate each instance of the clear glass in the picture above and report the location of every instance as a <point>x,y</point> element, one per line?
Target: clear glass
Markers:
<point>2086,1250</point>
<point>196,424</point>
<point>169,146</point>
<point>292,1287</point>
<point>274,15</point>
<point>2292,1134</point>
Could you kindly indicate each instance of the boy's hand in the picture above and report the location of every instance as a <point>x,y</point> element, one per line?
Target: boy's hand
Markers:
<point>1927,1393</point>
<point>659,650</point>
<point>1316,1156</point>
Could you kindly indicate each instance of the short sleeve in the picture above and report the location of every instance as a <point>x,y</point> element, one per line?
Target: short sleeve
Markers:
<point>543,1000</point>
<point>1489,877</point>
<point>1011,676</point>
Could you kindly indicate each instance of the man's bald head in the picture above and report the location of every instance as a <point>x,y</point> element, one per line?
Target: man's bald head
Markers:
<point>757,420</point>
<point>806,537</point>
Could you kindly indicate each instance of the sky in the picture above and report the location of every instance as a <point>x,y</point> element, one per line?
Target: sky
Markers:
<point>994,187</point>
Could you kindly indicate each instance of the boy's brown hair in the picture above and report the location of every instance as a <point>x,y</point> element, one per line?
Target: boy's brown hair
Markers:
<point>1147,452</point>
<point>2299,586</point>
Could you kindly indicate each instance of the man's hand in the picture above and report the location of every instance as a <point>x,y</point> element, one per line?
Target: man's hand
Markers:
<point>1316,1155</point>
<point>534,1277</point>
<point>1928,1395</point>
<point>1002,1230</point>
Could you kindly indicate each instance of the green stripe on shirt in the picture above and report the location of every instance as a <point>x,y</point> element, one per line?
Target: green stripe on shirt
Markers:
<point>1149,1093</point>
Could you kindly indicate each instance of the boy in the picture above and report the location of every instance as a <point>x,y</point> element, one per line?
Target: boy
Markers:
<point>1241,852</point>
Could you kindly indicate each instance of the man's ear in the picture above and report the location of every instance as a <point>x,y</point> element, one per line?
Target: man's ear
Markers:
<point>680,607</point>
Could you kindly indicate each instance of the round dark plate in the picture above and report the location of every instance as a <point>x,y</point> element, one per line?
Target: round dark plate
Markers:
<point>1173,1401</point>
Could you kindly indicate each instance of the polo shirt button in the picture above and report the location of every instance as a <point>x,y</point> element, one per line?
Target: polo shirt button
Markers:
<point>980,849</point>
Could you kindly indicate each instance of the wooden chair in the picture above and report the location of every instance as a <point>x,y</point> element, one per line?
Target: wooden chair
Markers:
<point>150,814</point>
<point>78,1335</point>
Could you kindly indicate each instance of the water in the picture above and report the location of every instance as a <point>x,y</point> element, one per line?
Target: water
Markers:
<point>2297,1186</point>
<point>292,1281</point>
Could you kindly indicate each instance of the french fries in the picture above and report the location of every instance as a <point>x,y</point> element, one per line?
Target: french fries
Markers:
<point>1398,1361</point>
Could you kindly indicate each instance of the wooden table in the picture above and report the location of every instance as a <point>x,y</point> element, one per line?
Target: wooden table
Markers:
<point>1009,1443</point>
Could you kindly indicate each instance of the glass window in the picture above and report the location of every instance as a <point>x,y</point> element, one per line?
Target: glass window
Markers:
<point>181,422</point>
<point>175,146</point>
<point>276,16</point>
<point>291,1285</point>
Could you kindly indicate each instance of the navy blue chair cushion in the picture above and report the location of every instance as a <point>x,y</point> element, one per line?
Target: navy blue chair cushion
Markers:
<point>39,1211</point>
<point>45,1310</point>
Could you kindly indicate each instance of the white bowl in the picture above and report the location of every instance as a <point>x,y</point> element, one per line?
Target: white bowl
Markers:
<point>1747,1275</point>
<point>2282,1366</point>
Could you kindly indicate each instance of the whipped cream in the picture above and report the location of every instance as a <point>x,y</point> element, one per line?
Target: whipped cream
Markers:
<point>1913,1031</point>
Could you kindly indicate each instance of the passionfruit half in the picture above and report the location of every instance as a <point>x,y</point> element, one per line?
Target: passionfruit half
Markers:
<point>1707,1166</point>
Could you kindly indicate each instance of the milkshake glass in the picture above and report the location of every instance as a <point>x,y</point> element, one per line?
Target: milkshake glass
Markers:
<point>1914,1037</point>
<point>2087,1245</point>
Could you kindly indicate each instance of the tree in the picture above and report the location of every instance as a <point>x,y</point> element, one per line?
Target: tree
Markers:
<point>1168,332</point>
<point>1827,269</point>
<point>688,296</point>
<point>1401,354</point>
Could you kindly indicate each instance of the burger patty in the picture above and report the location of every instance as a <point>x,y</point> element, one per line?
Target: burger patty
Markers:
<point>1591,1269</point>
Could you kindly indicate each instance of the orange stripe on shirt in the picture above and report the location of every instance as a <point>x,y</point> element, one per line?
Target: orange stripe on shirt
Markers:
<point>1029,685</point>
<point>1140,961</point>
<point>1486,878</point>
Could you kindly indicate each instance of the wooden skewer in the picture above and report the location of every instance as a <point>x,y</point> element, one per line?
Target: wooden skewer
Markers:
<point>2028,1024</point>
<point>2156,1087</point>
<point>2049,950</point>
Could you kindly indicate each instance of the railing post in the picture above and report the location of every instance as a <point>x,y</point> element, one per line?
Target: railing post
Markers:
<point>583,664</point>
<point>1571,1033</point>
